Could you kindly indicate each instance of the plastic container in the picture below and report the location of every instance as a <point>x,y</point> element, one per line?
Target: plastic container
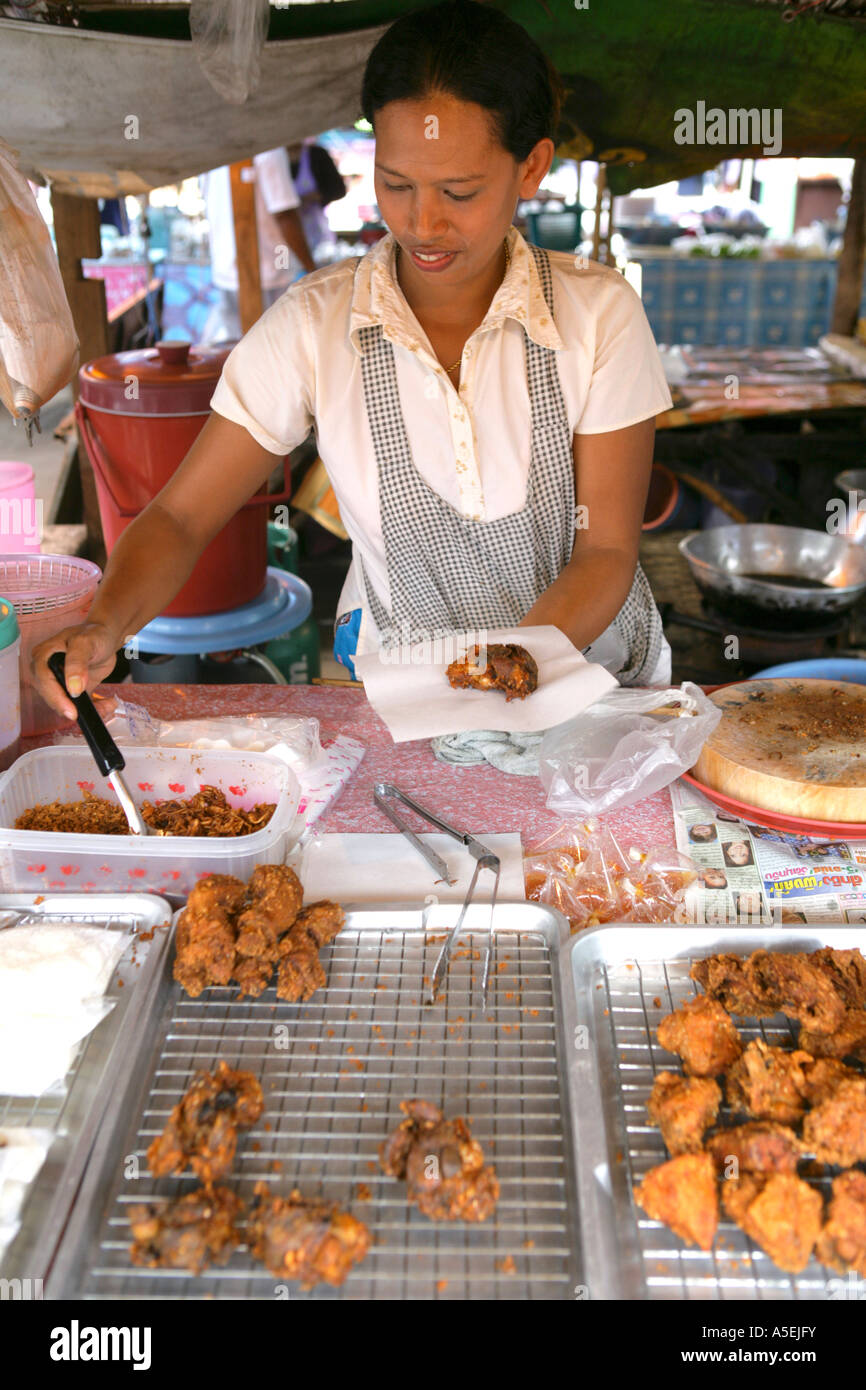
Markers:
<point>10,687</point>
<point>39,861</point>
<point>48,592</point>
<point>20,514</point>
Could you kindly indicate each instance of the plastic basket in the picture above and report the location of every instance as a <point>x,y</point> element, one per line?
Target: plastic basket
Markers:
<point>39,861</point>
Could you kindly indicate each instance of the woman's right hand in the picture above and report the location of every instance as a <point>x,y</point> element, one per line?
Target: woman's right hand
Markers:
<point>91,652</point>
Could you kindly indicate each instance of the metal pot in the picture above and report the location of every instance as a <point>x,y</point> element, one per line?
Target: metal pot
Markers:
<point>734,567</point>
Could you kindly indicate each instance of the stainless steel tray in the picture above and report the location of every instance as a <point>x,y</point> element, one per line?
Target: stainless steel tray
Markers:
<point>74,1113</point>
<point>334,1071</point>
<point>625,979</point>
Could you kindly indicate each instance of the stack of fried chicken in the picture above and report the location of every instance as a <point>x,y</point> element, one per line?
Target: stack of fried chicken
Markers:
<point>296,1238</point>
<point>441,1164</point>
<point>812,1089</point>
<point>232,931</point>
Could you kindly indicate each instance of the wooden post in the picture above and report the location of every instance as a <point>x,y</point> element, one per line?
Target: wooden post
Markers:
<point>852,258</point>
<point>601,184</point>
<point>246,243</point>
<point>76,232</point>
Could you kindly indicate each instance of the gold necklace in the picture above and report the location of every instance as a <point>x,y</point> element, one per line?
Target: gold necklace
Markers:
<point>449,370</point>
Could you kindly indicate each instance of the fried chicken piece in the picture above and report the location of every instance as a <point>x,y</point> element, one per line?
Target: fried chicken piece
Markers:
<point>205,949</point>
<point>275,890</point>
<point>768,1083</point>
<point>847,970</point>
<point>801,987</point>
<point>842,1243</point>
<point>683,1194</point>
<point>193,1231</point>
<point>509,668</point>
<point>442,1164</point>
<point>835,1131</point>
<point>723,977</point>
<point>222,891</point>
<point>761,1146</point>
<point>300,974</point>
<point>257,936</point>
<point>848,1040</point>
<point>304,1238</point>
<point>202,1129</point>
<point>683,1107</point>
<point>822,1076</point>
<point>702,1034</point>
<point>318,924</point>
<point>252,975</point>
<point>779,1212</point>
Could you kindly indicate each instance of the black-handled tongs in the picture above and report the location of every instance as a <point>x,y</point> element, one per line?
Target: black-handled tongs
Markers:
<point>484,859</point>
<point>106,754</point>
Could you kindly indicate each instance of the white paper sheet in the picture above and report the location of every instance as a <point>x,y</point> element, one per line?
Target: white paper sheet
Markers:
<point>385,868</point>
<point>414,699</point>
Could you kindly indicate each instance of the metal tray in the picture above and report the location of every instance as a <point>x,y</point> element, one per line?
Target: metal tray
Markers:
<point>74,1114</point>
<point>625,979</point>
<point>334,1071</point>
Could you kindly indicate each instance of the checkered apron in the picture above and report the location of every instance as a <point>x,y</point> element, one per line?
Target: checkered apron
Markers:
<point>448,573</point>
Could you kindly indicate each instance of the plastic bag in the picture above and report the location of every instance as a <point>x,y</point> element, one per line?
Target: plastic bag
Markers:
<point>626,746</point>
<point>227,38</point>
<point>582,870</point>
<point>38,342</point>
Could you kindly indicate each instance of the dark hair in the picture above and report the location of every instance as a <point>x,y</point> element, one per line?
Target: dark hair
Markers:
<point>477,54</point>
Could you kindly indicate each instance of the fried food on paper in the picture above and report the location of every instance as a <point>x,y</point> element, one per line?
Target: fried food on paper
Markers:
<point>201,1132</point>
<point>683,1195</point>
<point>304,1238</point>
<point>509,668</point>
<point>761,1146</point>
<point>799,986</point>
<point>442,1165</point>
<point>835,1131</point>
<point>768,1083</point>
<point>723,977</point>
<point>780,1212</point>
<point>848,1040</point>
<point>683,1108</point>
<point>842,1244</point>
<point>702,1034</point>
<point>193,1231</point>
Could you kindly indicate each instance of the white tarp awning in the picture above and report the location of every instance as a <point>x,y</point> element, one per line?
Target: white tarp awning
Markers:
<point>104,114</point>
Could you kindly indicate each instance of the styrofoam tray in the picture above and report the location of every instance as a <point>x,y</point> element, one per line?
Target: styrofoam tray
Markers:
<point>43,861</point>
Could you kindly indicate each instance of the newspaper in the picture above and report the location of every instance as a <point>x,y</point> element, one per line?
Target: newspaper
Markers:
<point>750,874</point>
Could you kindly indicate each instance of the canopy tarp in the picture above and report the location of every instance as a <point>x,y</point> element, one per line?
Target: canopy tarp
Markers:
<point>631,69</point>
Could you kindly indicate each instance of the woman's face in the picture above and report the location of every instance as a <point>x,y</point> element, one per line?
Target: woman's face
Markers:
<point>739,852</point>
<point>445,184</point>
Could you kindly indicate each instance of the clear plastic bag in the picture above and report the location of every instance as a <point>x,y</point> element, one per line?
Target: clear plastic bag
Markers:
<point>582,870</point>
<point>38,342</point>
<point>626,746</point>
<point>228,37</point>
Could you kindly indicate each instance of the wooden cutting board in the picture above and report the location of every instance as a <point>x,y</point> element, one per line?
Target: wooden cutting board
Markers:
<point>792,746</point>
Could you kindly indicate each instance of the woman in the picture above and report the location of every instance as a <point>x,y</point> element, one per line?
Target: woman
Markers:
<point>485,409</point>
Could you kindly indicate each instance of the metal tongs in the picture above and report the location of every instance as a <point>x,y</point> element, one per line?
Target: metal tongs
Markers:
<point>484,859</point>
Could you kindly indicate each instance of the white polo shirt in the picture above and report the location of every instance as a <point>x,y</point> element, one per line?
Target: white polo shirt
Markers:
<point>300,366</point>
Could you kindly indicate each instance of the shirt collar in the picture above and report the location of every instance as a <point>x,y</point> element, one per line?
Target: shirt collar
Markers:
<point>378,298</point>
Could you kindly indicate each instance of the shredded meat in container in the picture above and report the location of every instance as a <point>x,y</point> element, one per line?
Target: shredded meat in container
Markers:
<point>206,814</point>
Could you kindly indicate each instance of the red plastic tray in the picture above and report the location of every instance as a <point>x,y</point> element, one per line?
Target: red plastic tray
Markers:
<point>798,825</point>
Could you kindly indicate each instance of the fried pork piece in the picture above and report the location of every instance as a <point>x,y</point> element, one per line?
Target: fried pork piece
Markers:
<point>848,1040</point>
<point>842,1244</point>
<point>822,1075</point>
<point>222,891</point>
<point>318,924</point>
<point>193,1231</point>
<point>252,975</point>
<point>802,987</point>
<point>702,1034</point>
<point>205,950</point>
<point>768,1083</point>
<point>683,1107</point>
<point>683,1194</point>
<point>202,1129</point>
<point>835,1131</point>
<point>847,969</point>
<point>443,1166</point>
<point>509,668</point>
<point>275,890</point>
<point>300,973</point>
<point>305,1239</point>
<point>761,1146</point>
<point>723,977</point>
<point>779,1212</point>
<point>257,936</point>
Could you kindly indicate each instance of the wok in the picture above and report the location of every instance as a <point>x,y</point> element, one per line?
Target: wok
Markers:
<point>725,561</point>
